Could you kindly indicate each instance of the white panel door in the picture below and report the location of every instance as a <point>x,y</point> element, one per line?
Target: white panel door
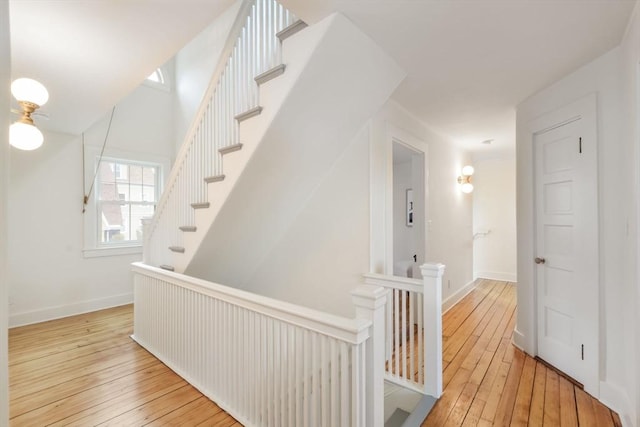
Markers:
<point>567,251</point>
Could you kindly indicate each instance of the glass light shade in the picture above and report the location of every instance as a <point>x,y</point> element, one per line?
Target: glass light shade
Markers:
<point>24,136</point>
<point>29,90</point>
<point>467,187</point>
<point>468,170</point>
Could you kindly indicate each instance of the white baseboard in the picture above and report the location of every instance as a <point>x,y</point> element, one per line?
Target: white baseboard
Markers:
<point>455,298</point>
<point>518,340</point>
<point>51,313</point>
<point>615,398</point>
<point>492,275</point>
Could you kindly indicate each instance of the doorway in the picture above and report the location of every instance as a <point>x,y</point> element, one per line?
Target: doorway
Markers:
<point>408,210</point>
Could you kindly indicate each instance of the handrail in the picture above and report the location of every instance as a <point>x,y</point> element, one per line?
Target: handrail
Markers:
<point>397,282</point>
<point>352,331</point>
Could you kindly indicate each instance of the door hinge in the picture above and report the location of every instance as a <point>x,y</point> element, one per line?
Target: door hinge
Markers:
<point>580,145</point>
<point>582,351</point>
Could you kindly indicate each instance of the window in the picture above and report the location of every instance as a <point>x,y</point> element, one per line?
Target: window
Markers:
<point>158,79</point>
<point>156,76</point>
<point>126,193</point>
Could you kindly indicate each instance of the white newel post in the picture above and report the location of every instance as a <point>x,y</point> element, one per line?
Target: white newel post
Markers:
<point>370,305</point>
<point>432,276</point>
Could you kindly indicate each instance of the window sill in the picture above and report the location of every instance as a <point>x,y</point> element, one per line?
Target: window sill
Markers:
<point>113,251</point>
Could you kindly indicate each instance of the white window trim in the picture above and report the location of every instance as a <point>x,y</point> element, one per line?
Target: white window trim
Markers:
<point>92,247</point>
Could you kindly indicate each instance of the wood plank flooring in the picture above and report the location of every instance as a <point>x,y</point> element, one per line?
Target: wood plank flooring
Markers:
<point>85,370</point>
<point>489,382</point>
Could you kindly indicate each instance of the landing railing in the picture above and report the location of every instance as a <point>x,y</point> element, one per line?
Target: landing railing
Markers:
<point>266,362</point>
<point>251,49</point>
<point>413,333</point>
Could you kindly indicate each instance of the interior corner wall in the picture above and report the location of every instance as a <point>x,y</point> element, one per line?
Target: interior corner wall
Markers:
<point>604,76</point>
<point>449,211</point>
<point>5,103</point>
<point>49,277</point>
<point>494,219</point>
<point>194,66</point>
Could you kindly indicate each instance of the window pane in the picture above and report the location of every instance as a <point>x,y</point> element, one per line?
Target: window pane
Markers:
<point>138,213</point>
<point>111,223</point>
<point>135,183</point>
<point>107,186</point>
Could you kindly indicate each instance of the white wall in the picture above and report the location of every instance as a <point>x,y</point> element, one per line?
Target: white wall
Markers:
<point>323,254</point>
<point>48,274</point>
<point>618,326</point>
<point>194,66</point>
<point>449,211</point>
<point>5,81</point>
<point>494,211</point>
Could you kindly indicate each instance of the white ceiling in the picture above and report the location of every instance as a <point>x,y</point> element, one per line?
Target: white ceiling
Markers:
<point>469,63</point>
<point>92,53</point>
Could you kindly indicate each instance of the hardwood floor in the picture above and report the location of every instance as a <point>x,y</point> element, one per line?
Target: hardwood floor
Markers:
<point>85,370</point>
<point>487,381</point>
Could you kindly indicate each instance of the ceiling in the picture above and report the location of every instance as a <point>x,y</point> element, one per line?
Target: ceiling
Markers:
<point>469,63</point>
<point>92,53</point>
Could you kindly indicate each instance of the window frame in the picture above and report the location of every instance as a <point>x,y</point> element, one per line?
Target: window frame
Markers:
<point>93,246</point>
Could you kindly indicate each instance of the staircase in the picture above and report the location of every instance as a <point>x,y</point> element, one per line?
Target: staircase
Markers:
<point>274,123</point>
<point>278,116</point>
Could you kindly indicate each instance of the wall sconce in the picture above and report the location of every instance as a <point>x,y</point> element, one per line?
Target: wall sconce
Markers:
<point>465,179</point>
<point>31,95</point>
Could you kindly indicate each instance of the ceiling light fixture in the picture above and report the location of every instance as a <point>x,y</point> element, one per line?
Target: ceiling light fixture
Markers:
<point>31,95</point>
<point>465,179</point>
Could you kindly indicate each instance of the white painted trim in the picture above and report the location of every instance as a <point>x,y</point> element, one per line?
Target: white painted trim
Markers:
<point>617,399</point>
<point>51,313</point>
<point>457,296</point>
<point>492,275</point>
<point>398,135</point>
<point>519,340</point>
<point>112,251</point>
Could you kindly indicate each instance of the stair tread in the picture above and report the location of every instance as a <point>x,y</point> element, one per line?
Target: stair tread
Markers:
<point>178,249</point>
<point>252,112</point>
<point>215,178</point>
<point>203,205</point>
<point>189,228</point>
<point>287,32</point>
<point>167,267</point>
<point>276,71</point>
<point>230,148</point>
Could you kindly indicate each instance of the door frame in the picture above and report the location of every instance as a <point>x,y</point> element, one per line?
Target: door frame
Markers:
<point>381,202</point>
<point>526,331</point>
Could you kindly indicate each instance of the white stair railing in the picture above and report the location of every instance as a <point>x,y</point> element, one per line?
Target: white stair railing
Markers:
<point>413,344</point>
<point>264,361</point>
<point>251,49</point>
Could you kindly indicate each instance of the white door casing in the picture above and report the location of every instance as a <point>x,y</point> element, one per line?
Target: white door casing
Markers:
<point>566,242</point>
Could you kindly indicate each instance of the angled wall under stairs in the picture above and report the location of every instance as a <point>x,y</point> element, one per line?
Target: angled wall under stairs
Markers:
<point>336,78</point>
